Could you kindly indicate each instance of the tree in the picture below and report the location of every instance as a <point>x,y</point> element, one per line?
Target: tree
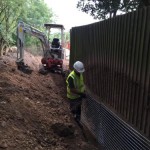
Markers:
<point>38,13</point>
<point>9,12</point>
<point>103,9</point>
<point>34,12</point>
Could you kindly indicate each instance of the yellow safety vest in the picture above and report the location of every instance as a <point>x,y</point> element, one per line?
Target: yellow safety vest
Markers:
<point>78,83</point>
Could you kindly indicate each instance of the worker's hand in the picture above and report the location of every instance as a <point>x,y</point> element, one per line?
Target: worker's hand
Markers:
<point>83,95</point>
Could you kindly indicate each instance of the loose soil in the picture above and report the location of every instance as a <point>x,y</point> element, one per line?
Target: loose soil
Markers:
<point>34,112</point>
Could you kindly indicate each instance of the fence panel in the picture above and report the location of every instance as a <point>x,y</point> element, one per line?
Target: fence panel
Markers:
<point>116,54</point>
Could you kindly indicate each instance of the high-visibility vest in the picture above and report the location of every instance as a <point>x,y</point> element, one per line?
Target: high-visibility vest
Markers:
<point>78,83</point>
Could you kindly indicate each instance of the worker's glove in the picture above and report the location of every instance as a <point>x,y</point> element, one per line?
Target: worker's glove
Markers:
<point>83,95</point>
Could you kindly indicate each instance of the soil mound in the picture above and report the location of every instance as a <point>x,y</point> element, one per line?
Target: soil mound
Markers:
<point>34,112</point>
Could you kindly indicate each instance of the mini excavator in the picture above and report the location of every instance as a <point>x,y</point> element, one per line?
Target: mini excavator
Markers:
<point>53,53</point>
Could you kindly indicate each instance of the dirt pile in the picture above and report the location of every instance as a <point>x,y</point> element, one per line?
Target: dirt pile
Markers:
<point>33,61</point>
<point>34,113</point>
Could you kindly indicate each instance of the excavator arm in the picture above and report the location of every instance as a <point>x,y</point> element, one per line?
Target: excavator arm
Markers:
<point>23,29</point>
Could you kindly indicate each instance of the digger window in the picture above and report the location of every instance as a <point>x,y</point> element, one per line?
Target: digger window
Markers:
<point>55,43</point>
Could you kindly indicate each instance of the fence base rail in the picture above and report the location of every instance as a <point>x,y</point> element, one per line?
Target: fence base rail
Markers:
<point>110,131</point>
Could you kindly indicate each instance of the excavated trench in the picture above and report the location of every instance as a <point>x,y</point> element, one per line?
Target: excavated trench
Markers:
<point>34,112</point>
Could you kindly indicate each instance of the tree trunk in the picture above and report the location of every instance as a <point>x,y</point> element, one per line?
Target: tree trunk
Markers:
<point>114,13</point>
<point>110,15</point>
<point>2,49</point>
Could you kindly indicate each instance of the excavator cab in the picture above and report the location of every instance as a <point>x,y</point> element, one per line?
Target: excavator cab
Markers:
<point>55,43</point>
<point>54,61</point>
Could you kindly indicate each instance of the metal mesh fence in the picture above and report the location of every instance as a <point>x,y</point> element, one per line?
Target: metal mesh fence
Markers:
<point>111,132</point>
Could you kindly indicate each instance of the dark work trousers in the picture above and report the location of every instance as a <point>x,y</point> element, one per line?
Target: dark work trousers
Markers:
<point>75,107</point>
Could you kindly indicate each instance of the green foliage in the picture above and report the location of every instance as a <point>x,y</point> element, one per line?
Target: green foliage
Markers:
<point>34,12</point>
<point>38,13</point>
<point>67,36</point>
<point>103,9</point>
<point>9,12</point>
<point>58,35</point>
<point>33,45</point>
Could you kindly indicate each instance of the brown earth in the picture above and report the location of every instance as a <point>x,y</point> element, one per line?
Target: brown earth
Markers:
<point>34,112</point>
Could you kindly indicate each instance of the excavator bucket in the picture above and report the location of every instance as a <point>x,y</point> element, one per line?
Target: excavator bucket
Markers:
<point>24,68</point>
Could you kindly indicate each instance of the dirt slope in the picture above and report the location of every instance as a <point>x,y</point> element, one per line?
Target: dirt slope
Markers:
<point>34,113</point>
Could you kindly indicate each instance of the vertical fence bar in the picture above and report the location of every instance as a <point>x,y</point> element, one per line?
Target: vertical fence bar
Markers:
<point>125,84</point>
<point>96,33</point>
<point>100,61</point>
<point>133,65</point>
<point>106,61</point>
<point>139,37</point>
<point>110,61</point>
<point>94,57</point>
<point>122,31</point>
<point>114,61</point>
<point>130,49</point>
<point>122,82</point>
<point>118,62</point>
<point>140,94</point>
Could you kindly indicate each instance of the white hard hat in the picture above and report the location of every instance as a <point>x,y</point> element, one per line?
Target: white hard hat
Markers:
<point>79,67</point>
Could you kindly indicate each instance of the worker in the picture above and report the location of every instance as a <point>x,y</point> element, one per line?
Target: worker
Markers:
<point>76,89</point>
